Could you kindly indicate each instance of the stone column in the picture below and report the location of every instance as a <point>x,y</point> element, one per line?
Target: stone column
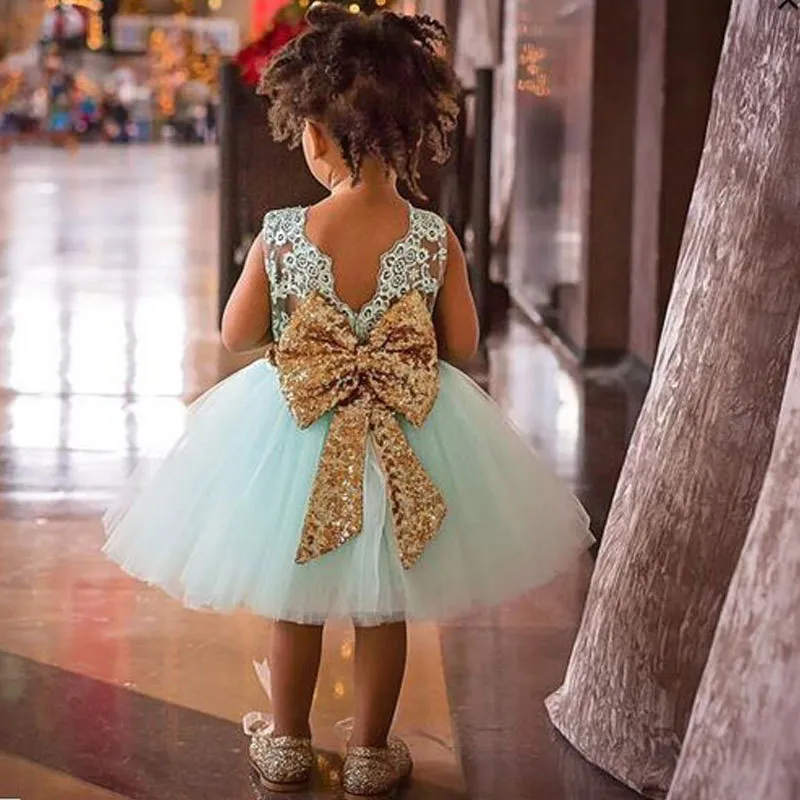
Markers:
<point>478,42</point>
<point>743,740</point>
<point>679,48</point>
<point>504,138</point>
<point>593,297</point>
<point>698,457</point>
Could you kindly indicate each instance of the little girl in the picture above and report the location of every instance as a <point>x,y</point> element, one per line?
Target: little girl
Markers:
<point>353,472</point>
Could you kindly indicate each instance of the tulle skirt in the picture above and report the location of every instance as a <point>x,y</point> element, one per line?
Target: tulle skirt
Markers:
<point>219,523</point>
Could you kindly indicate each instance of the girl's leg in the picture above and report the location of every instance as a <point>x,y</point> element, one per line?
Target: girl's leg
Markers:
<point>295,654</point>
<point>380,664</point>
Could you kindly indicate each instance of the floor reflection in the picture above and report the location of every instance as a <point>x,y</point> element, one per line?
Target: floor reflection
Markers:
<point>580,422</point>
<point>107,260</point>
<point>501,664</point>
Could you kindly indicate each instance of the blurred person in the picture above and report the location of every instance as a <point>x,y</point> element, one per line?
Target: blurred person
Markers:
<point>353,472</point>
<point>21,119</point>
<point>115,119</point>
<point>212,133</point>
<point>142,104</point>
<point>142,112</point>
<point>60,107</point>
<point>7,130</point>
<point>38,112</point>
<point>9,88</point>
<point>88,120</point>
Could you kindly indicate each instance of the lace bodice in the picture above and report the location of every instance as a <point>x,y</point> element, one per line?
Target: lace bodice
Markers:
<point>296,267</point>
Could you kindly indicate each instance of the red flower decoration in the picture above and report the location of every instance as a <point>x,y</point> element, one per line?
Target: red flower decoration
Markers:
<point>254,58</point>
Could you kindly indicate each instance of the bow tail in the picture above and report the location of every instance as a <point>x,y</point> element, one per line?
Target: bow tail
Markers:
<point>418,508</point>
<point>336,506</point>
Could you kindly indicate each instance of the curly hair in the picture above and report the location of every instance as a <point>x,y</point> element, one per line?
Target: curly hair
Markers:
<point>378,84</point>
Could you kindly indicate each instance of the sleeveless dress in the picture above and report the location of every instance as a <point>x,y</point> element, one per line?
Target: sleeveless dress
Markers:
<point>219,524</point>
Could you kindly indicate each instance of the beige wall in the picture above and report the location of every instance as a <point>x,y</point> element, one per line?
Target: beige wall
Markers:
<point>238,10</point>
<point>436,8</point>
<point>20,22</point>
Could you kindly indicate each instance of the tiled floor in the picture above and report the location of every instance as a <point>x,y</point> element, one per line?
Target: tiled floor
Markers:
<point>108,689</point>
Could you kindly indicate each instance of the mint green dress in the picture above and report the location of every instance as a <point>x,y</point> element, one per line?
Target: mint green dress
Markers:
<point>218,524</point>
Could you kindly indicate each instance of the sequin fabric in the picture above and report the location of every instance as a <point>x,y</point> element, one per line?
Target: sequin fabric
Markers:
<point>281,760</point>
<point>324,367</point>
<point>373,771</point>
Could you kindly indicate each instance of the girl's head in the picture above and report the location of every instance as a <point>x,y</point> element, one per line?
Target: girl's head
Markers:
<point>358,89</point>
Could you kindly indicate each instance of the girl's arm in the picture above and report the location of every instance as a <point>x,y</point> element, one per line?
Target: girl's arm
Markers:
<point>455,316</point>
<point>246,321</point>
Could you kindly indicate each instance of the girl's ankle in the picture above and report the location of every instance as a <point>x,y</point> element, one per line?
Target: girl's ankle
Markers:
<point>293,731</point>
<point>372,742</point>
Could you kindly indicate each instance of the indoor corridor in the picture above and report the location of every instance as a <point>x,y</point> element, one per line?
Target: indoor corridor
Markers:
<point>111,689</point>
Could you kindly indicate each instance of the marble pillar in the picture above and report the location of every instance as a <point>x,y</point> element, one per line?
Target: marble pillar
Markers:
<point>679,49</point>
<point>743,741</point>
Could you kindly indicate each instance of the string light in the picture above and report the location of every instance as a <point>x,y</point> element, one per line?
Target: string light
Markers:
<point>94,36</point>
<point>10,89</point>
<point>355,8</point>
<point>91,5</point>
<point>177,59</point>
<point>537,80</point>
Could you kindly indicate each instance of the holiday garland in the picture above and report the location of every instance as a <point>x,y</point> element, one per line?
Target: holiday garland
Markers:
<point>288,23</point>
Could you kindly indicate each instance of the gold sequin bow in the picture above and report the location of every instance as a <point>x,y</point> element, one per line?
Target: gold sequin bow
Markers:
<point>322,367</point>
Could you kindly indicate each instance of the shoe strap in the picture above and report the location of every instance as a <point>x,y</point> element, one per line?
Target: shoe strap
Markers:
<point>370,753</point>
<point>290,742</point>
<point>256,722</point>
<point>259,725</point>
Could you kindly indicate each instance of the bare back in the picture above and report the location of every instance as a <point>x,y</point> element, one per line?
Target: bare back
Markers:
<point>356,235</point>
<point>361,259</point>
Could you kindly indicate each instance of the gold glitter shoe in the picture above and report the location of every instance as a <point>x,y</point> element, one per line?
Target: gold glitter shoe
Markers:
<point>376,772</point>
<point>283,763</point>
